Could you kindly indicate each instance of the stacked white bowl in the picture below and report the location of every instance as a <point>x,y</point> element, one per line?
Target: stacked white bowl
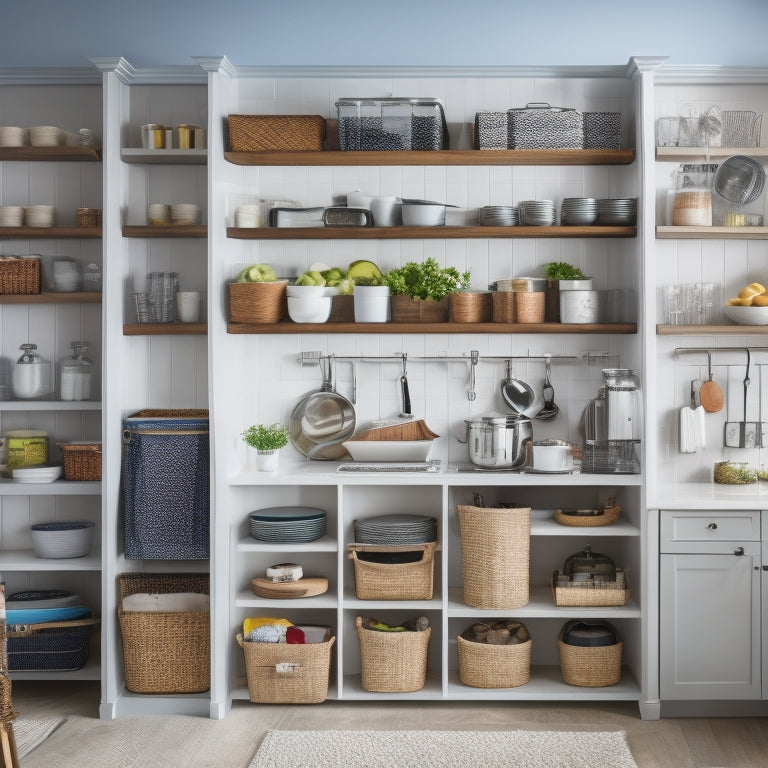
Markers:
<point>66,275</point>
<point>45,136</point>
<point>12,136</point>
<point>11,215</point>
<point>309,303</point>
<point>38,215</point>
<point>537,213</point>
<point>159,213</point>
<point>185,213</point>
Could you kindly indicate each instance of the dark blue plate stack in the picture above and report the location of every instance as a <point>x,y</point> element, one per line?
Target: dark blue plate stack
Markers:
<point>284,525</point>
<point>396,530</point>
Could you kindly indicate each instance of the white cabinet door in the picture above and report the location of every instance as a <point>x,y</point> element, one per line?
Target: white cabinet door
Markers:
<point>710,626</point>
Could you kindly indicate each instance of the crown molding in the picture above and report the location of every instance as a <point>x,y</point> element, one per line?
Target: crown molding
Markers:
<point>167,75</point>
<point>49,76</point>
<point>639,64</point>
<point>217,64</point>
<point>711,75</point>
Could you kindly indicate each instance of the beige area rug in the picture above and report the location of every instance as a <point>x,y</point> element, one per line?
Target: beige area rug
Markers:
<point>444,749</point>
<point>31,733</point>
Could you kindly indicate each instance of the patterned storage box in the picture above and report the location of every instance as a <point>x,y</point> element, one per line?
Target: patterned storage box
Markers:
<point>541,126</point>
<point>165,484</point>
<point>602,130</point>
<point>491,130</point>
<point>56,646</point>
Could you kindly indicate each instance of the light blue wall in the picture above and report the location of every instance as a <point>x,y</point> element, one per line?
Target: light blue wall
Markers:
<point>384,32</point>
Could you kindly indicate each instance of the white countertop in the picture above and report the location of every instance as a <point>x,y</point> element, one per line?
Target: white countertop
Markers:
<point>709,496</point>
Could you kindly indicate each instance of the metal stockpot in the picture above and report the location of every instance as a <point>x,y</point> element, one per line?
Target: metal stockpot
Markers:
<point>498,440</point>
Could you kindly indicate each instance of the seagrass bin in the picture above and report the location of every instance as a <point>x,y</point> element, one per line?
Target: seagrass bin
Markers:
<point>282,673</point>
<point>604,594</point>
<point>393,581</point>
<point>495,556</point>
<point>19,275</point>
<point>470,307</point>
<point>273,133</point>
<point>165,651</point>
<point>258,302</point>
<point>82,460</point>
<point>393,662</point>
<point>590,667</point>
<point>494,666</point>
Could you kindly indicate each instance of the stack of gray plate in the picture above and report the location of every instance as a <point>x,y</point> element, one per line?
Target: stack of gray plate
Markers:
<point>578,211</point>
<point>619,212</point>
<point>498,216</point>
<point>537,213</point>
<point>288,524</point>
<point>396,530</point>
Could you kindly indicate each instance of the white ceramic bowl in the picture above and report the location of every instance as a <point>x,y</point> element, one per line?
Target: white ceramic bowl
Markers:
<point>388,450</point>
<point>423,214</point>
<point>747,315</point>
<point>305,291</point>
<point>45,136</point>
<point>311,310</point>
<point>552,458</point>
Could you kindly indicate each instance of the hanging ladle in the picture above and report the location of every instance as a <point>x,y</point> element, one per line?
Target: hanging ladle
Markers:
<point>549,409</point>
<point>517,393</point>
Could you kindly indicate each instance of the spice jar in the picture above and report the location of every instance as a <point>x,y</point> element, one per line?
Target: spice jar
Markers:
<point>31,375</point>
<point>76,372</point>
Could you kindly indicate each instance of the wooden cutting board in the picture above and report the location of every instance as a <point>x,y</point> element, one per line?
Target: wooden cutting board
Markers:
<point>286,590</point>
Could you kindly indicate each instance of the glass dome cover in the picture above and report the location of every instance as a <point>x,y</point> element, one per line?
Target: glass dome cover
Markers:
<point>587,565</point>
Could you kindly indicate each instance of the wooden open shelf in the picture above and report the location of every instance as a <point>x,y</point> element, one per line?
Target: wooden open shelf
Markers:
<point>710,330</point>
<point>686,154</point>
<point>165,329</point>
<point>288,327</point>
<point>712,233</point>
<point>75,154</point>
<point>49,233</point>
<point>164,156</point>
<point>52,297</point>
<point>425,233</point>
<point>440,157</point>
<point>168,230</point>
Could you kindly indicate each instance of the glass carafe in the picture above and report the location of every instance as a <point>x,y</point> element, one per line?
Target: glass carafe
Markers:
<point>32,378</point>
<point>76,372</point>
<point>622,387</point>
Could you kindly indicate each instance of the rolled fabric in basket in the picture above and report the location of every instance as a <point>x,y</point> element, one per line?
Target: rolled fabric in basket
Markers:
<point>168,602</point>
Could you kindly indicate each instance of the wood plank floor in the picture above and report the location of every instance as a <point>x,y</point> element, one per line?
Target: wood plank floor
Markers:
<point>666,743</point>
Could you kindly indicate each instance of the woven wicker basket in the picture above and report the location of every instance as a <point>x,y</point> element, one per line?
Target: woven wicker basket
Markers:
<point>19,275</point>
<point>590,667</point>
<point>270,133</point>
<point>393,662</point>
<point>503,306</point>
<point>165,652</point>
<point>258,302</point>
<point>607,595</point>
<point>494,666</point>
<point>303,680</point>
<point>171,413</point>
<point>529,307</point>
<point>609,515</point>
<point>471,307</point>
<point>495,556</point>
<point>388,581</point>
<point>406,309</point>
<point>82,460</point>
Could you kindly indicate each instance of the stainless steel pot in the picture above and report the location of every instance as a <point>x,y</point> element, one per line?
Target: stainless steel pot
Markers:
<point>498,440</point>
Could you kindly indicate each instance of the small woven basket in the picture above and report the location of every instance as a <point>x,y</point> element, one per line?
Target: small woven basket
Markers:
<point>165,652</point>
<point>529,306</point>
<point>393,581</point>
<point>503,306</point>
<point>607,516</point>
<point>54,646</point>
<point>406,309</point>
<point>82,460</point>
<point>494,666</point>
<point>258,302</point>
<point>19,275</point>
<point>393,662</point>
<point>607,594</point>
<point>495,556</point>
<point>270,133</point>
<point>590,667</point>
<point>282,673</point>
<point>473,307</point>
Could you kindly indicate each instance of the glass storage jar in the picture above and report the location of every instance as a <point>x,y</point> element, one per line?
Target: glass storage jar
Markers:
<point>31,375</point>
<point>76,372</point>
<point>589,566</point>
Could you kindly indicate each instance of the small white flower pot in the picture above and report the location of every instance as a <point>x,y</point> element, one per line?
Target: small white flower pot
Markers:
<point>263,461</point>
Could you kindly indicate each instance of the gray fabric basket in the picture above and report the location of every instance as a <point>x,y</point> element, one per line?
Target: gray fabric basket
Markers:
<point>491,130</point>
<point>602,130</point>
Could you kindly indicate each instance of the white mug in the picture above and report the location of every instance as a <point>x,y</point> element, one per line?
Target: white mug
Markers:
<point>188,306</point>
<point>386,211</point>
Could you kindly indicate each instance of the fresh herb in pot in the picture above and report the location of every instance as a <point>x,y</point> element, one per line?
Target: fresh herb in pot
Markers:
<point>562,270</point>
<point>266,437</point>
<point>427,280</point>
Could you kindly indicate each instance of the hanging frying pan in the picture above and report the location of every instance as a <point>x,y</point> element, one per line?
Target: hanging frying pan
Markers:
<point>323,420</point>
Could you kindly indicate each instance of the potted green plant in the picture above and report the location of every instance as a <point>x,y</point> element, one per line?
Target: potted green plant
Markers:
<point>420,291</point>
<point>264,442</point>
<point>562,276</point>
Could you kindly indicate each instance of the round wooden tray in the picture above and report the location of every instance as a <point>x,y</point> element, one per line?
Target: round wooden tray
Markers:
<point>601,517</point>
<point>287,590</point>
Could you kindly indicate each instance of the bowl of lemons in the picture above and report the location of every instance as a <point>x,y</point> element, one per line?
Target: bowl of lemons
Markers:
<point>750,307</point>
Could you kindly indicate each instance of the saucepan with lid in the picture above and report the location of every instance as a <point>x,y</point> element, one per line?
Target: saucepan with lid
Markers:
<point>498,440</point>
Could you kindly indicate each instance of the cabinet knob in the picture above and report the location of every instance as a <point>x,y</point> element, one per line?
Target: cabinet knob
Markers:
<point>765,567</point>
<point>712,526</point>
<point>738,551</point>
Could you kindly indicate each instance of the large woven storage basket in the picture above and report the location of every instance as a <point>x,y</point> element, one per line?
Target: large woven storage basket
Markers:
<point>56,646</point>
<point>390,581</point>
<point>165,652</point>
<point>495,556</point>
<point>19,275</point>
<point>272,133</point>
<point>604,594</point>
<point>258,302</point>
<point>590,667</point>
<point>494,666</point>
<point>82,460</point>
<point>279,673</point>
<point>393,662</point>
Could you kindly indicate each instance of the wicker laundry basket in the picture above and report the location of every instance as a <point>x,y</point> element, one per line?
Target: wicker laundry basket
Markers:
<point>393,662</point>
<point>393,581</point>
<point>495,556</point>
<point>494,666</point>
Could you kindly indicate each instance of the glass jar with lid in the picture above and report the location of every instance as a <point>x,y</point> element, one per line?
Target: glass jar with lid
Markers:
<point>76,372</point>
<point>32,378</point>
<point>589,566</point>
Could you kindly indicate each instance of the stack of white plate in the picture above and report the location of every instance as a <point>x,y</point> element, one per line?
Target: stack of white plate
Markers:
<point>11,215</point>
<point>185,213</point>
<point>578,211</point>
<point>11,136</point>
<point>396,530</point>
<point>498,216</point>
<point>37,474</point>
<point>159,213</point>
<point>619,212</point>
<point>537,213</point>
<point>45,136</point>
<point>66,275</point>
<point>288,524</point>
<point>38,215</point>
